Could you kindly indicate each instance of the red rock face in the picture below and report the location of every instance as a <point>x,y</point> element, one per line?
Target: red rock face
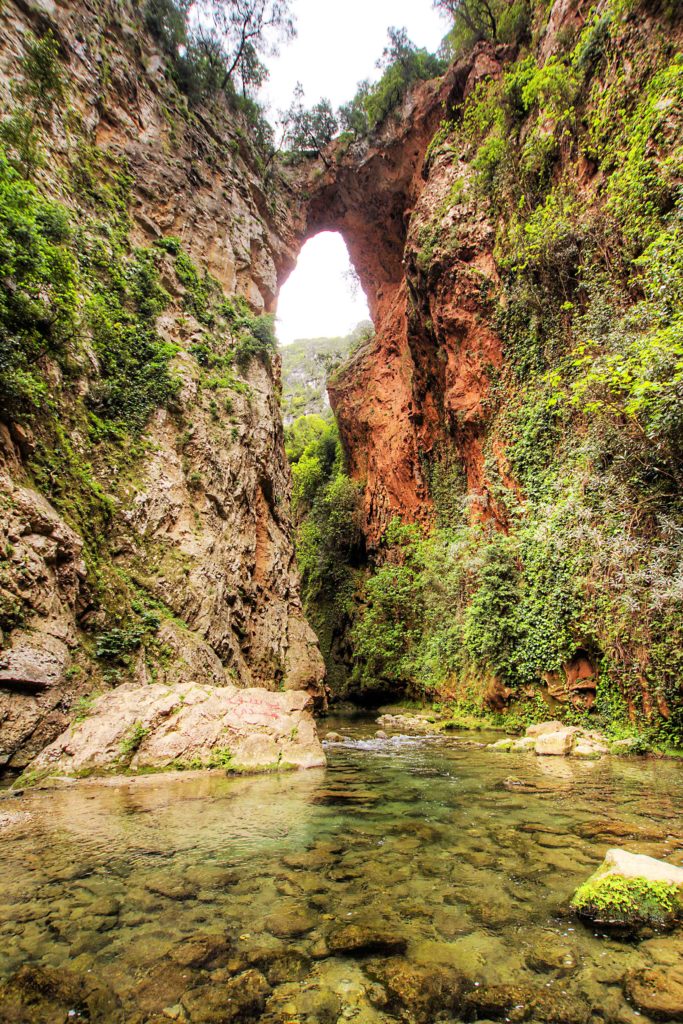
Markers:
<point>424,379</point>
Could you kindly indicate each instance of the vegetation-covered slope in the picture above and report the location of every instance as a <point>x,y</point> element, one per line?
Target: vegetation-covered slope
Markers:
<point>144,492</point>
<point>306,366</point>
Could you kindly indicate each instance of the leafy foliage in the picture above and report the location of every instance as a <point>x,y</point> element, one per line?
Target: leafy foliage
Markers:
<point>403,63</point>
<point>587,408</point>
<point>309,131</point>
<point>133,739</point>
<point>308,364</point>
<point>613,899</point>
<point>498,21</point>
<point>38,302</point>
<point>215,48</point>
<point>329,540</point>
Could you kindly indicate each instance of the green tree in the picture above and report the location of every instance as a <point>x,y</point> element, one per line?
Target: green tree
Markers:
<point>402,64</point>
<point>497,21</point>
<point>309,131</point>
<point>233,35</point>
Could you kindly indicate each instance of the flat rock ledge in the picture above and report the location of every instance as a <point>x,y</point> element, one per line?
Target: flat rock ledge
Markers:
<point>630,893</point>
<point>555,739</point>
<point>185,726</point>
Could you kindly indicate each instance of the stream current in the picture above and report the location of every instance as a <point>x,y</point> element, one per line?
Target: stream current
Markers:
<point>409,872</point>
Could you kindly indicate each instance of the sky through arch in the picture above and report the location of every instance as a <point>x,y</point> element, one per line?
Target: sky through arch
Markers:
<point>317,300</point>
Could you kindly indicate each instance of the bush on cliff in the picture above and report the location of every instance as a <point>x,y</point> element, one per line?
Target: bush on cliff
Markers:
<point>403,64</point>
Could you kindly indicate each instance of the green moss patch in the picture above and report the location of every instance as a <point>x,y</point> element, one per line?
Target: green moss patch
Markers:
<point>627,903</point>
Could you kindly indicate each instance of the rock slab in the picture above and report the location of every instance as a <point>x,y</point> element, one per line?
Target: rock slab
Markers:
<point>187,726</point>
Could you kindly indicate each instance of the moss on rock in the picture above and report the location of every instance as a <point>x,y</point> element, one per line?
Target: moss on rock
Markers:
<point>629,904</point>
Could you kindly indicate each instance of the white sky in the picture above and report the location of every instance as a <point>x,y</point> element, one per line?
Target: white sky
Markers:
<point>336,47</point>
<point>317,300</point>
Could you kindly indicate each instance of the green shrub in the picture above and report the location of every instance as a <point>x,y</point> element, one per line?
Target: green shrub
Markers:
<point>39,302</point>
<point>133,740</point>
<point>43,83</point>
<point>404,64</point>
<point>135,375</point>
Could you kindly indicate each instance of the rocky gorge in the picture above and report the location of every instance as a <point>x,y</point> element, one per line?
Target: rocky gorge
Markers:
<point>487,528</point>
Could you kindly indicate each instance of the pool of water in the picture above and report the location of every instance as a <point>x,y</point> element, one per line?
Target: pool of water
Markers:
<point>405,882</point>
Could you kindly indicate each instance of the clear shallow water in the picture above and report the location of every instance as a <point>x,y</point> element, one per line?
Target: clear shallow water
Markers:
<point>163,892</point>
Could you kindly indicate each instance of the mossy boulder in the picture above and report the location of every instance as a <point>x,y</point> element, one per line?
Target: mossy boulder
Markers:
<point>630,892</point>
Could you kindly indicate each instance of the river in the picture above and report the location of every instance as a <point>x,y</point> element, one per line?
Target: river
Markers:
<point>411,871</point>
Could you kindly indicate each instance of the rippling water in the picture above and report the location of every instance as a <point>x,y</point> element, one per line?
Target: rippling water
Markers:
<point>467,857</point>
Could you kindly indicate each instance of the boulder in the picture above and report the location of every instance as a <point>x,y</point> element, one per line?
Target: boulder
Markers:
<point>637,865</point>
<point>526,744</point>
<point>589,749</point>
<point>502,745</point>
<point>541,728</point>
<point>630,891</point>
<point>187,726</point>
<point>556,744</point>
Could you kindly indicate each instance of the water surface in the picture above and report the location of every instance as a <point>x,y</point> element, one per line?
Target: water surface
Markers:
<point>164,890</point>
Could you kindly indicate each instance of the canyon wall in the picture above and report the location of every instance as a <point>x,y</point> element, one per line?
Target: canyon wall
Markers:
<point>413,386</point>
<point>144,508</point>
<point>515,226</point>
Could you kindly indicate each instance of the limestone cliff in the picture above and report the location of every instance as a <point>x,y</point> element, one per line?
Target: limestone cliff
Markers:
<point>144,536</point>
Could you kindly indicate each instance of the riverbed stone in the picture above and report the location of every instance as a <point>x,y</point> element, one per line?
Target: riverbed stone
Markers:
<point>242,999</point>
<point>518,1002</point>
<point>658,992</point>
<point>45,995</point>
<point>290,922</point>
<point>549,955</point>
<point>163,984</point>
<point>320,1004</point>
<point>171,887</point>
<point>420,990</point>
<point>206,951</point>
<point>361,940</point>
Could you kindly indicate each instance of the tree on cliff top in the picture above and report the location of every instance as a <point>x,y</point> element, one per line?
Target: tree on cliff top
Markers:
<point>218,44</point>
<point>498,21</point>
<point>308,131</point>
<point>234,34</point>
<point>402,64</point>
